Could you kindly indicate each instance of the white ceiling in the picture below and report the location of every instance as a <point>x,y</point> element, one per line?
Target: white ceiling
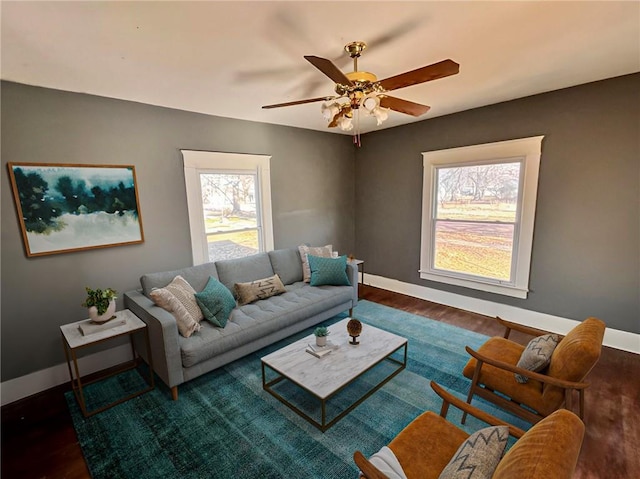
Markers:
<point>230,58</point>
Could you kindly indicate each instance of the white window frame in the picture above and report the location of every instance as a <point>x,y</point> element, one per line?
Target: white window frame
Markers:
<point>197,162</point>
<point>527,150</point>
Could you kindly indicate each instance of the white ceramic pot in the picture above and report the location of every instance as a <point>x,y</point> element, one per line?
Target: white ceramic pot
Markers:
<point>321,340</point>
<point>101,318</point>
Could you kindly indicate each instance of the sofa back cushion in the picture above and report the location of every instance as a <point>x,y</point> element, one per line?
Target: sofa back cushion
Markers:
<point>197,276</point>
<point>287,264</point>
<point>243,270</point>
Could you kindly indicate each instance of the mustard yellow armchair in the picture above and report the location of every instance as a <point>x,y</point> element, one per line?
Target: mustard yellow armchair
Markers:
<point>549,450</point>
<point>493,367</point>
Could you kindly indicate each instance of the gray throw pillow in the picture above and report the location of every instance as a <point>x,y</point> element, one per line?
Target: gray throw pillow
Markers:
<point>479,455</point>
<point>537,355</point>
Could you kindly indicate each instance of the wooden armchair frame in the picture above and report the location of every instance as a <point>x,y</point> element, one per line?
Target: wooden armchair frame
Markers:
<point>509,404</point>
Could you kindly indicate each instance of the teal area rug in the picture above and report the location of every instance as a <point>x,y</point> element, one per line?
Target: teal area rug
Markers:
<point>225,426</point>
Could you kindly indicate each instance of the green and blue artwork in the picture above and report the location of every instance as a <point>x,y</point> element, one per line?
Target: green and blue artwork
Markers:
<point>63,208</point>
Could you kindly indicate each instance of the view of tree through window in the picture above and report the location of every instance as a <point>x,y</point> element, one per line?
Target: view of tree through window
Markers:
<point>475,219</point>
<point>232,224</point>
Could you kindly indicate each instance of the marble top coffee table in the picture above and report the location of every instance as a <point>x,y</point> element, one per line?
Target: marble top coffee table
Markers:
<point>323,378</point>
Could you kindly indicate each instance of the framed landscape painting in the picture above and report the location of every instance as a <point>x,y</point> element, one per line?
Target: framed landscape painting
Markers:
<point>63,208</point>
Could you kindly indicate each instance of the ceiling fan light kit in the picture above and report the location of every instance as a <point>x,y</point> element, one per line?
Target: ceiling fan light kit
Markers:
<point>360,90</point>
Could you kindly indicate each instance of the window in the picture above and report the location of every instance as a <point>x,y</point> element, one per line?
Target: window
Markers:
<point>229,201</point>
<point>478,211</point>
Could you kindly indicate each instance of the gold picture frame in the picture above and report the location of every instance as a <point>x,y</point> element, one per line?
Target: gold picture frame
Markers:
<point>65,207</point>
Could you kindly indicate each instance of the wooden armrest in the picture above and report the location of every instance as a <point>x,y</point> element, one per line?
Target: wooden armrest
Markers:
<point>521,328</point>
<point>561,383</point>
<point>369,470</point>
<point>448,398</point>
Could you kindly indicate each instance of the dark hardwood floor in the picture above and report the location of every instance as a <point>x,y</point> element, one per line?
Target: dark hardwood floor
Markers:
<point>38,439</point>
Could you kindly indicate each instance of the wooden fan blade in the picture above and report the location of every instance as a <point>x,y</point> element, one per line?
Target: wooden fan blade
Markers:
<point>298,102</point>
<point>328,68</point>
<point>403,106</point>
<point>441,69</point>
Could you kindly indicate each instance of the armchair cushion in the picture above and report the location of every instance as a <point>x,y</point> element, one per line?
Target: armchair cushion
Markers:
<point>575,356</point>
<point>537,355</point>
<point>428,435</point>
<point>501,380</point>
<point>537,454</point>
<point>478,456</point>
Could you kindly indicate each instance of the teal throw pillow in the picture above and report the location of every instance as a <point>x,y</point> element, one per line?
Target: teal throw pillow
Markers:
<point>216,302</point>
<point>328,271</point>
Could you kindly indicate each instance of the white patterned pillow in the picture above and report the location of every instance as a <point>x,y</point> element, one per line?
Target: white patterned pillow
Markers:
<point>259,289</point>
<point>178,297</point>
<point>537,355</point>
<point>479,455</point>
<point>322,251</point>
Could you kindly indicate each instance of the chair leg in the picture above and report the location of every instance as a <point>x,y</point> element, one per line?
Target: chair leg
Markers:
<point>174,393</point>
<point>474,385</point>
<point>568,399</point>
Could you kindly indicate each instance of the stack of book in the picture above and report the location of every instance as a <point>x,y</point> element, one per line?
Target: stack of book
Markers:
<point>89,327</point>
<point>320,351</point>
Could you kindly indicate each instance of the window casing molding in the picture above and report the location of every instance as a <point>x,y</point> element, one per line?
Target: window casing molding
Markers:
<point>196,162</point>
<point>526,150</point>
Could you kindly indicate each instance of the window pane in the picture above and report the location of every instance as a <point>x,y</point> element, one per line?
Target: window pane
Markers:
<point>232,245</point>
<point>228,202</point>
<point>479,249</point>
<point>479,193</point>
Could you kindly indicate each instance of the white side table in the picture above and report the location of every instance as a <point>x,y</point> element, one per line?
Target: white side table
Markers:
<point>73,340</point>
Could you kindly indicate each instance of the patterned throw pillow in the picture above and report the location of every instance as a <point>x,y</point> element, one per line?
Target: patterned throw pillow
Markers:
<point>305,251</point>
<point>178,297</point>
<point>216,302</point>
<point>259,289</point>
<point>479,455</point>
<point>328,271</point>
<point>537,355</point>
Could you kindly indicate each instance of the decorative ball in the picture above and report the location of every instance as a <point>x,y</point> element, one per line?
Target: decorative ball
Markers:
<point>354,327</point>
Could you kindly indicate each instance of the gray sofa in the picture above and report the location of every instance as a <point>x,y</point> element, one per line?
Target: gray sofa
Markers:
<point>177,359</point>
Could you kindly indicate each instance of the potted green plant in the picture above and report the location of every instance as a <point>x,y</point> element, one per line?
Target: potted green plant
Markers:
<point>101,304</point>
<point>321,333</point>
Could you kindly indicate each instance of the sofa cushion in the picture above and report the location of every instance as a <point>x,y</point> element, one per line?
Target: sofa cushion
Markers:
<point>537,355</point>
<point>244,270</point>
<point>216,302</point>
<point>253,321</point>
<point>331,271</point>
<point>197,276</point>
<point>322,251</point>
<point>259,289</point>
<point>287,264</point>
<point>479,455</point>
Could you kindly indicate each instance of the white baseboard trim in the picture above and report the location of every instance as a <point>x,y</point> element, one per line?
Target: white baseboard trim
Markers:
<point>33,383</point>
<point>612,337</point>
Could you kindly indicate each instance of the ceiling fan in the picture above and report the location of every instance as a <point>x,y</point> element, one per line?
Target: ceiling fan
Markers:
<point>360,90</point>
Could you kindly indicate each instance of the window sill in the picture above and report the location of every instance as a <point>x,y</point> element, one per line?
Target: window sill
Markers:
<point>512,291</point>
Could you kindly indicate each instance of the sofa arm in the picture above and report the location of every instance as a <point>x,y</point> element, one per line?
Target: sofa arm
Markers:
<point>163,336</point>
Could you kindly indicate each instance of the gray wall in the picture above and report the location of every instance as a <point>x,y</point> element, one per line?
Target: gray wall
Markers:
<point>586,250</point>
<point>312,179</point>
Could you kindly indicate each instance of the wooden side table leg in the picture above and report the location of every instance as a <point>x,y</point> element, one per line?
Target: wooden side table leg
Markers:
<point>80,393</point>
